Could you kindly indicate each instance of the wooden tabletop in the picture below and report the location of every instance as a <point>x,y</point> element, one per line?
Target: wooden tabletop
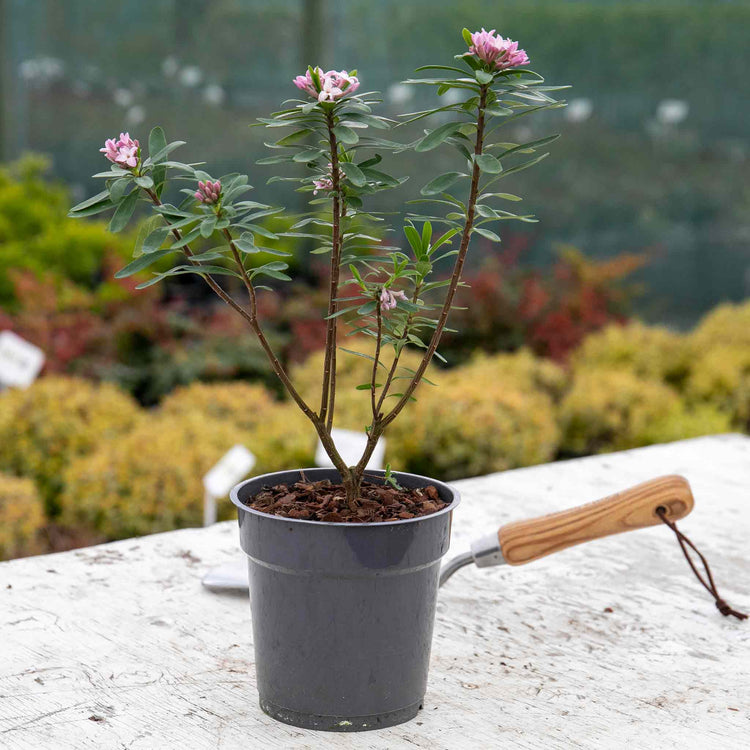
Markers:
<point>608,645</point>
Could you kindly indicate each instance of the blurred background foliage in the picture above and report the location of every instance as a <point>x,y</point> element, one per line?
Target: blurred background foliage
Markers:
<point>88,464</point>
<point>655,146</point>
<point>608,325</point>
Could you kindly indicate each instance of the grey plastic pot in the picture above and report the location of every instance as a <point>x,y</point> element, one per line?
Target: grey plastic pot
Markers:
<point>342,613</point>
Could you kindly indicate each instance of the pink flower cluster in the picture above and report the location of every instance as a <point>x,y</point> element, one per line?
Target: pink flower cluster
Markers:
<point>494,50</point>
<point>324,183</point>
<point>123,151</point>
<point>388,299</point>
<point>333,85</point>
<point>208,192</point>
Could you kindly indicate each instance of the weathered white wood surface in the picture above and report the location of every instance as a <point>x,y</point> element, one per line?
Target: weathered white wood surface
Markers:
<point>117,646</point>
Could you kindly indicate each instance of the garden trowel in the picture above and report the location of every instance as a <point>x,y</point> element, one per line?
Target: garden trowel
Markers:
<point>520,542</point>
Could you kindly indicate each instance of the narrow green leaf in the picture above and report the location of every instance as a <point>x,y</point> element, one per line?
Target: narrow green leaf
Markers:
<point>483,77</point>
<point>354,174</point>
<point>145,182</point>
<point>89,202</point>
<point>412,235</point>
<point>207,226</point>
<point>346,135</point>
<point>157,142</point>
<point>155,239</point>
<point>141,262</point>
<point>435,137</point>
<point>124,212</point>
<point>467,36</point>
<point>441,183</point>
<point>488,234</point>
<point>118,188</point>
<point>488,163</point>
<point>308,154</point>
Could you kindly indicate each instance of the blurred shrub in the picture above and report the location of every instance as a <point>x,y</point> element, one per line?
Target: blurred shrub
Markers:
<point>277,433</point>
<point>725,325</point>
<point>21,516</point>
<point>609,409</point>
<point>721,378</point>
<point>473,425</point>
<point>521,370</point>
<point>148,480</point>
<point>353,408</point>
<point>43,428</point>
<point>550,312</point>
<point>646,351</point>
<point>36,235</point>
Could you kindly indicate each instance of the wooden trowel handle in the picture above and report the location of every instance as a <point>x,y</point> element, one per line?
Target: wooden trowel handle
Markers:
<point>635,508</point>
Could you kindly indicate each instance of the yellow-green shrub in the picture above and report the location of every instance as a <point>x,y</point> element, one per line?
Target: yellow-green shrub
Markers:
<point>721,378</point>
<point>469,426</point>
<point>150,479</point>
<point>521,370</point>
<point>277,433</point>
<point>21,516</point>
<point>43,428</point>
<point>353,409</point>
<point>609,410</point>
<point>726,325</point>
<point>647,351</point>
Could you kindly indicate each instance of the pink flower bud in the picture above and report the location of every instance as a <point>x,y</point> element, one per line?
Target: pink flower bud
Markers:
<point>208,192</point>
<point>125,152</point>
<point>492,49</point>
<point>334,84</point>
<point>388,299</point>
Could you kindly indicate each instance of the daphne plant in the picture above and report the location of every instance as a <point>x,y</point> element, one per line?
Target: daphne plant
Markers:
<point>389,294</point>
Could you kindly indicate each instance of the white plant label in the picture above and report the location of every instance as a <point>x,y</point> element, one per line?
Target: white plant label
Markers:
<point>20,361</point>
<point>351,446</point>
<point>233,466</point>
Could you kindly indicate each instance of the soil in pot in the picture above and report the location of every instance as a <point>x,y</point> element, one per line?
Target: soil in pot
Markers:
<point>325,501</point>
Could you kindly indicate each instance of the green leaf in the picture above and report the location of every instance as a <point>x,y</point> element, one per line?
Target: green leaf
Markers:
<point>92,210</point>
<point>426,234</point>
<point>483,77</point>
<point>124,212</point>
<point>488,163</point>
<point>118,187</point>
<point>207,226</point>
<point>354,174</point>
<point>503,196</point>
<point>246,244</point>
<point>308,154</point>
<point>435,137</point>
<point>362,354</point>
<point>187,238</point>
<point>141,262</point>
<point>441,183</point>
<point>155,239</point>
<point>281,159</point>
<point>412,235</point>
<point>487,234</point>
<point>496,110</point>
<point>157,142</point>
<point>367,386</point>
<point>467,37</point>
<point>145,182</point>
<point>293,137</point>
<point>89,202</point>
<point>346,135</point>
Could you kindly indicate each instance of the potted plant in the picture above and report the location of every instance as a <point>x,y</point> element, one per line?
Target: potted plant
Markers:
<point>344,562</point>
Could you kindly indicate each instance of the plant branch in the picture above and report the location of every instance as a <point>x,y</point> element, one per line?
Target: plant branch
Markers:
<point>402,340</point>
<point>457,268</point>
<point>376,362</point>
<point>329,365</point>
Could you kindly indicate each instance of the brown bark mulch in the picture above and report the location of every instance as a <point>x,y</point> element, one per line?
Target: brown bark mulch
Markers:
<point>325,501</point>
